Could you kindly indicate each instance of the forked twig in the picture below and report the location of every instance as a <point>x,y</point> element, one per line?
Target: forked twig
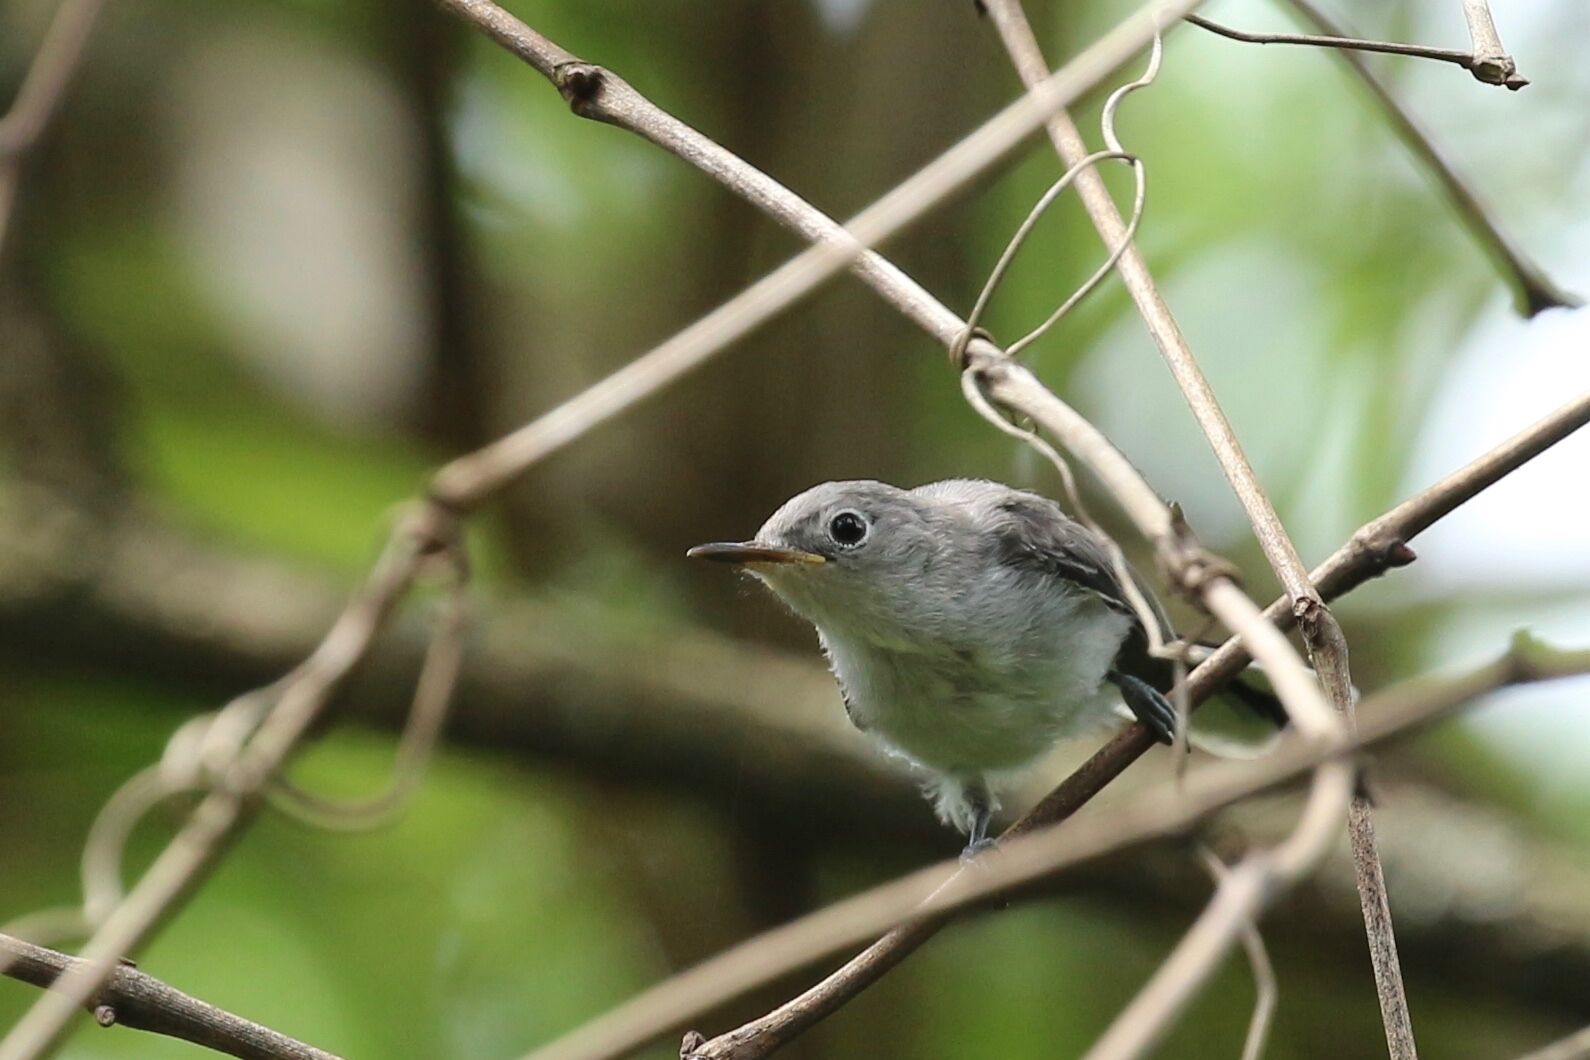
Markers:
<point>1482,69</point>
<point>1535,290</point>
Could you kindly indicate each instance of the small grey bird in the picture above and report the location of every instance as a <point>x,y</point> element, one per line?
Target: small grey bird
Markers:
<point>970,627</point>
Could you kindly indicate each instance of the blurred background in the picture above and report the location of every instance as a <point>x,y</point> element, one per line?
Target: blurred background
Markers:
<point>275,260</point>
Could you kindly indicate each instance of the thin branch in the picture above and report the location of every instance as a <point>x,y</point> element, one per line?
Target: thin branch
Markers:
<point>134,999</point>
<point>1535,290</point>
<point>1375,906</point>
<point>433,690</point>
<point>40,95</point>
<point>1168,808</point>
<point>1446,55</point>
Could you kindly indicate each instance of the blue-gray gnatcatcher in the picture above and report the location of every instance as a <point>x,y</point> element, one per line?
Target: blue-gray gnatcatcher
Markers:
<point>970,626</point>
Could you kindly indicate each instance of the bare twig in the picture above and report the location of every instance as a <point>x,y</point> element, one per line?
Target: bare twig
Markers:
<point>432,692</point>
<point>1168,808</point>
<point>130,998</point>
<point>1466,59</point>
<point>1534,289</point>
<point>41,93</point>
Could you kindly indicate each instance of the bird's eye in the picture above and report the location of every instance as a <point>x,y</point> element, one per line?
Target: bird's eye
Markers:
<point>848,528</point>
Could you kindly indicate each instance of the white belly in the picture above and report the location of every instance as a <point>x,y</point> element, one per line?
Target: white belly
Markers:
<point>971,711</point>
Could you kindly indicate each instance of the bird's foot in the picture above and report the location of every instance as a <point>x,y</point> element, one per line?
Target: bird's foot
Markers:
<point>975,849</point>
<point>1147,706</point>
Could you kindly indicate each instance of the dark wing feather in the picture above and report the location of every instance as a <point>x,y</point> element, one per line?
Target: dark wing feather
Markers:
<point>1038,536</point>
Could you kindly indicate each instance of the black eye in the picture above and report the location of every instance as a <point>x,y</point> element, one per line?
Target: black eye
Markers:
<point>848,529</point>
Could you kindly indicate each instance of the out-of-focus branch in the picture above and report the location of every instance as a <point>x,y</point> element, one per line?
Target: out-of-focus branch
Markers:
<point>130,998</point>
<point>41,93</point>
<point>1535,290</point>
<point>1482,69</point>
<point>1266,989</point>
<point>1574,1047</point>
<point>1169,808</point>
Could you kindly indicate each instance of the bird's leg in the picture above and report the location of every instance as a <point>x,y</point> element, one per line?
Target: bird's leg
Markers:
<point>981,803</point>
<point>1147,705</point>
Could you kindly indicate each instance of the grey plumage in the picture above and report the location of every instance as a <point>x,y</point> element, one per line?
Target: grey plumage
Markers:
<point>970,626</point>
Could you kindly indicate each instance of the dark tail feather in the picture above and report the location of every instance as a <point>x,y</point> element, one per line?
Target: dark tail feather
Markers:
<point>1261,701</point>
<point>1248,690</point>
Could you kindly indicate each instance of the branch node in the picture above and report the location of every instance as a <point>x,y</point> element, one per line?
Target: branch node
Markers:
<point>690,1043</point>
<point>1185,564</point>
<point>960,356</point>
<point>1398,554</point>
<point>435,529</point>
<point>580,83</point>
<point>1497,70</point>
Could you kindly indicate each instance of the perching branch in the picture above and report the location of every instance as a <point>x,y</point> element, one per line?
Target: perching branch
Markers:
<point>1535,290</point>
<point>933,892</point>
<point>130,998</point>
<point>40,95</point>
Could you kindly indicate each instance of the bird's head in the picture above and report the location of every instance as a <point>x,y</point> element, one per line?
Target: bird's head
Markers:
<point>842,554</point>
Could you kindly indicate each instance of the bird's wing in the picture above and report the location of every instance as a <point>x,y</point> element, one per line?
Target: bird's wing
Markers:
<point>1033,533</point>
